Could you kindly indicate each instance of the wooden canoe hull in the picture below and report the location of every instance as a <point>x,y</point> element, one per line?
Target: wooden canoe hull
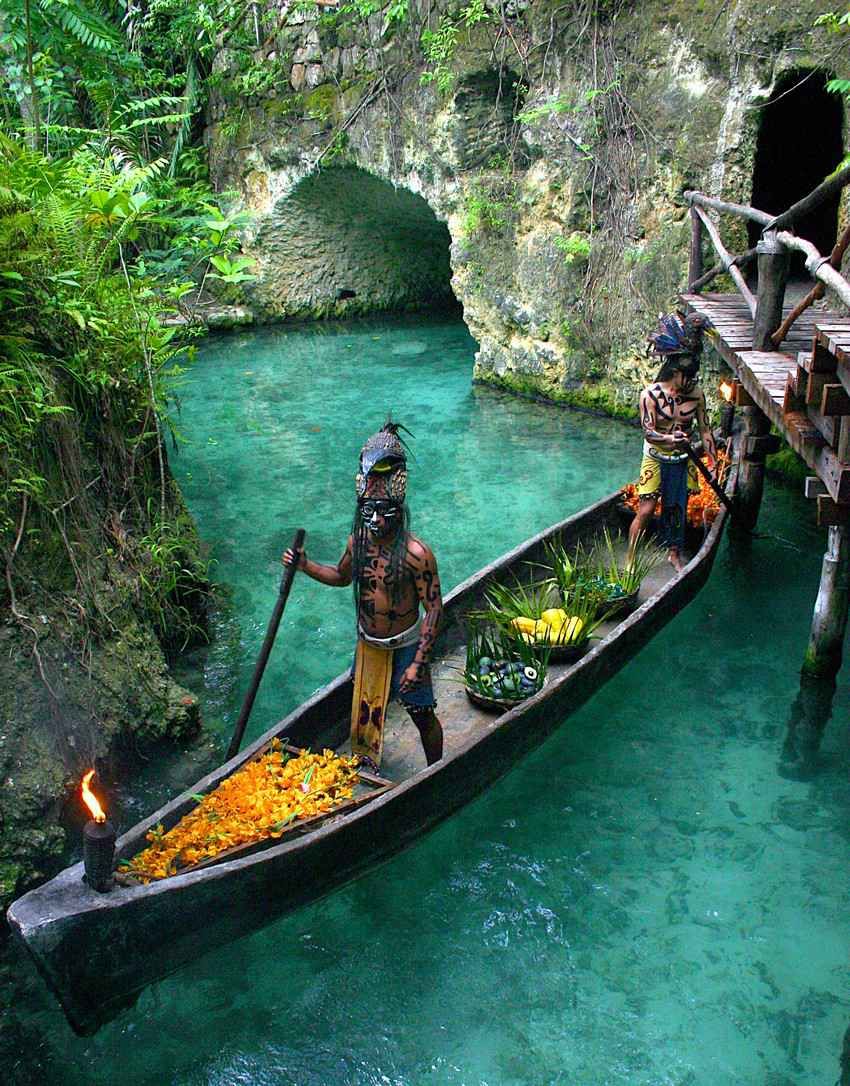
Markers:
<point>98,951</point>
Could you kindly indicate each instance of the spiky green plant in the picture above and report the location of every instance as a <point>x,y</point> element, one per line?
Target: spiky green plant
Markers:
<point>626,572</point>
<point>488,645</point>
<point>518,601</point>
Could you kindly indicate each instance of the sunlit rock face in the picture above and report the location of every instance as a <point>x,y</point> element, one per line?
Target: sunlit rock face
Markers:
<point>537,178</point>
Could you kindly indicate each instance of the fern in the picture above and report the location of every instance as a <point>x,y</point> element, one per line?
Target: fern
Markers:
<point>88,27</point>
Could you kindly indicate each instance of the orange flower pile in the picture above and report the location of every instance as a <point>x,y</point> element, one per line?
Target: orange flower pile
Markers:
<point>260,800</point>
<point>702,507</point>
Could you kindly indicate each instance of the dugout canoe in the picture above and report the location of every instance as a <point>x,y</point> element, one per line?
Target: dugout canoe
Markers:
<point>97,951</point>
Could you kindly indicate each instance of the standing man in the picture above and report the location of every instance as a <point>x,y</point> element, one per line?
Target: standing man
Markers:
<point>668,410</point>
<point>393,573</point>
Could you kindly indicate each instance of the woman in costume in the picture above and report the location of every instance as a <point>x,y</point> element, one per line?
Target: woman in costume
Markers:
<point>393,574</point>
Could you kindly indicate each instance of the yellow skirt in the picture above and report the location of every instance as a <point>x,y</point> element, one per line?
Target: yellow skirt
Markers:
<point>649,480</point>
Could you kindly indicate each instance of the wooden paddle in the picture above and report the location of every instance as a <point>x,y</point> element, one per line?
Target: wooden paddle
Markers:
<point>709,478</point>
<point>271,632</point>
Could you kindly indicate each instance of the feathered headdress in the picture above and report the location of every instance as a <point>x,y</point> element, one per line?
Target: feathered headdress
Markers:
<point>678,335</point>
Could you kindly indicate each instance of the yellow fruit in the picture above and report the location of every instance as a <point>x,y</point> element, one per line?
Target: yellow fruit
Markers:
<point>570,630</point>
<point>542,631</point>
<point>525,625</point>
<point>556,617</point>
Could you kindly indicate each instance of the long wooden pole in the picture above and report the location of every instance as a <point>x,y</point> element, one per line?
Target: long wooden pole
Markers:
<point>709,478</point>
<point>262,660</point>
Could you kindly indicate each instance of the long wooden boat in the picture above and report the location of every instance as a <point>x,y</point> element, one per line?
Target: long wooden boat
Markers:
<point>97,951</point>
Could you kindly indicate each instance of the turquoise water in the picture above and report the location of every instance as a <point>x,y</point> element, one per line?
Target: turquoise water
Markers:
<point>656,897</point>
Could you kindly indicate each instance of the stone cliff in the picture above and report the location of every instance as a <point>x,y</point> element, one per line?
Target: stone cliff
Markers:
<point>527,157</point>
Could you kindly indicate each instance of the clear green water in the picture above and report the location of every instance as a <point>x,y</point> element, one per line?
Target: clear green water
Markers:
<point>653,897</point>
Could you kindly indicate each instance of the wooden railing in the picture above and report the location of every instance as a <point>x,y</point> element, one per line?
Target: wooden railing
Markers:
<point>772,256</point>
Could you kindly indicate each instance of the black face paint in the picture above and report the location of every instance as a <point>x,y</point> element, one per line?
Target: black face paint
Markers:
<point>371,512</point>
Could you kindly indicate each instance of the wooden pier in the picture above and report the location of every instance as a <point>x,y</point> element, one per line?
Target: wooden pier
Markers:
<point>803,389</point>
<point>792,370</point>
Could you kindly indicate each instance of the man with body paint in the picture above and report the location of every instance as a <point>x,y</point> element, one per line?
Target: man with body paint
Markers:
<point>669,408</point>
<point>393,574</point>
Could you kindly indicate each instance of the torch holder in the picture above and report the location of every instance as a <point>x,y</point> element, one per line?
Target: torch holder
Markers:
<point>727,419</point>
<point>98,854</point>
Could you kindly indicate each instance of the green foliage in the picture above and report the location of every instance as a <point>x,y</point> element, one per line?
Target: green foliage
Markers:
<point>488,206</point>
<point>88,374</point>
<point>613,571</point>
<point>575,247</point>
<point>440,45</point>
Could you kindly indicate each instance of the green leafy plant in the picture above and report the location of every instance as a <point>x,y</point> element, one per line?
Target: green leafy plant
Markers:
<point>575,247</point>
<point>621,574</point>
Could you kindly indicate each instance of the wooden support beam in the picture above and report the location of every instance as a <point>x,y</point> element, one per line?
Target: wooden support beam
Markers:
<point>834,400</point>
<point>822,359</point>
<point>751,474</point>
<point>842,446</point>
<point>742,397</point>
<point>829,428</point>
<point>815,387</point>
<point>758,446</point>
<point>831,513</point>
<point>826,640</point>
<point>814,487</point>
<point>772,276</point>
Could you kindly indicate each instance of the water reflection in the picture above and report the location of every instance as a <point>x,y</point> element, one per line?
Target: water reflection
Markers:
<point>809,715</point>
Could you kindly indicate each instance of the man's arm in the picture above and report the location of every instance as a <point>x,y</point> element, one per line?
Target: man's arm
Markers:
<point>704,429</point>
<point>337,576</point>
<point>423,565</point>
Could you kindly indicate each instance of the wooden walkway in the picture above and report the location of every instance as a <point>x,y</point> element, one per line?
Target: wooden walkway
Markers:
<point>804,388</point>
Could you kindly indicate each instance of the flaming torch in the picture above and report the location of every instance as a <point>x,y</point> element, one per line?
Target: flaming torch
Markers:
<point>98,841</point>
<point>727,413</point>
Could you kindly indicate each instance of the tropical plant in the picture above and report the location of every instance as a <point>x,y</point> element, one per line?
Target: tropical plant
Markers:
<point>621,574</point>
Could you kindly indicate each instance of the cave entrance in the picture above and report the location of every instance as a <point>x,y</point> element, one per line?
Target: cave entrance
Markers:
<point>799,144</point>
<point>349,243</point>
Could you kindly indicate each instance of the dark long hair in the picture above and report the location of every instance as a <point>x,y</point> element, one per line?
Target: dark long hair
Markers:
<point>398,554</point>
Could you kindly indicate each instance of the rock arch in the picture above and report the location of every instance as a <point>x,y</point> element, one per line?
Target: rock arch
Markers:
<point>343,241</point>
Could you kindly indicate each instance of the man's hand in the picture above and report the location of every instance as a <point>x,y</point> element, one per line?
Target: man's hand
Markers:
<point>291,558</point>
<point>411,677</point>
<point>679,438</point>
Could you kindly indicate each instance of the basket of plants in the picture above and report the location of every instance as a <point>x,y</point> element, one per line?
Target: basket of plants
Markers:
<point>545,618</point>
<point>502,669</point>
<point>607,579</point>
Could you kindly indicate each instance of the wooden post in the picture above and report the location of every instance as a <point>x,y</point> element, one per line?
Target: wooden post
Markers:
<point>823,656</point>
<point>751,476</point>
<point>695,260</point>
<point>773,273</point>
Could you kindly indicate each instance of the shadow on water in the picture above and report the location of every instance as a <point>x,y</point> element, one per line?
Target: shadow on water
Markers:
<point>807,719</point>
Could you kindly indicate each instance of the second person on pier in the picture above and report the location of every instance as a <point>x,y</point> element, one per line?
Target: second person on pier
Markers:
<point>393,574</point>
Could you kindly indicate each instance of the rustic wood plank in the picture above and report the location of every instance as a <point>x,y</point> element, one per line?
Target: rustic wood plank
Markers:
<point>814,487</point>
<point>831,513</point>
<point>834,400</point>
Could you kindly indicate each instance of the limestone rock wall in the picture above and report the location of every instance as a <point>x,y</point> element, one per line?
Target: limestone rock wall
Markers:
<point>540,167</point>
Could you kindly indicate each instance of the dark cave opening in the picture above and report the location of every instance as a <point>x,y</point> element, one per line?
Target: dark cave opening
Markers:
<point>799,144</point>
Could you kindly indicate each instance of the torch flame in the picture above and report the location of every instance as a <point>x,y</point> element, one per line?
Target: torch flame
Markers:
<point>90,799</point>
<point>727,391</point>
